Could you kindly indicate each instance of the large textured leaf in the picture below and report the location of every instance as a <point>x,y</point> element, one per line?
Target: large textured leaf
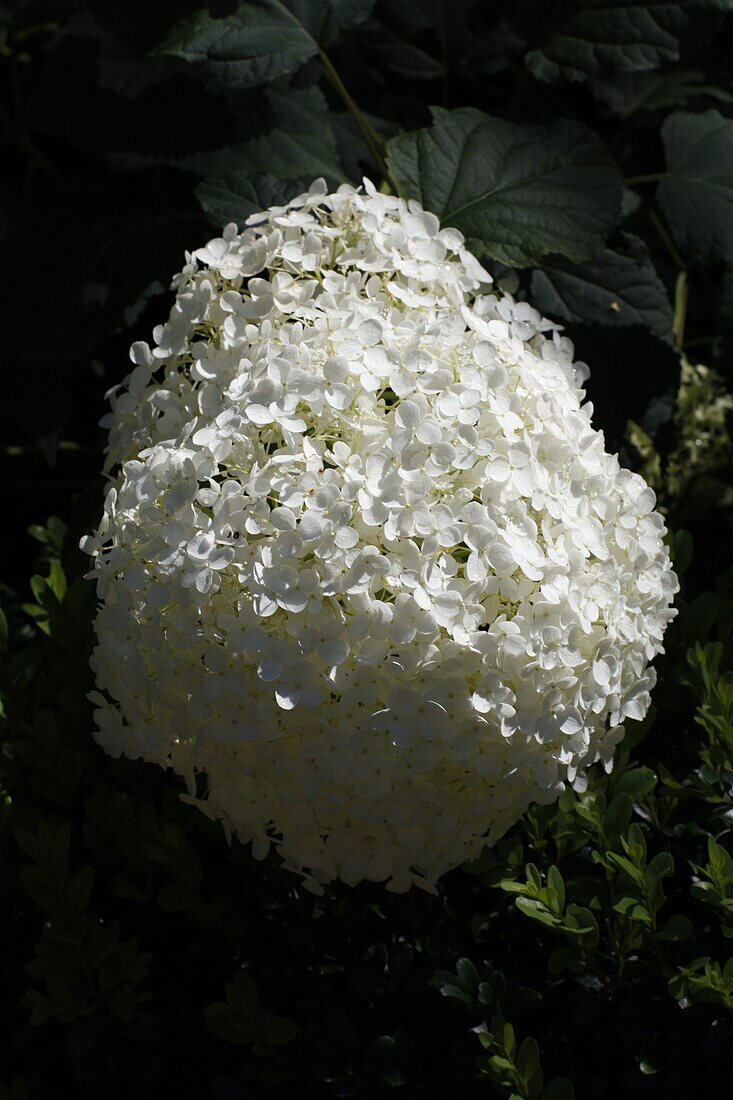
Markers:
<point>619,287</point>
<point>302,145</point>
<point>622,36</point>
<point>324,20</point>
<point>696,193</point>
<point>270,170</point>
<point>255,45</point>
<point>629,93</point>
<point>516,192</point>
<point>261,40</point>
<point>234,196</point>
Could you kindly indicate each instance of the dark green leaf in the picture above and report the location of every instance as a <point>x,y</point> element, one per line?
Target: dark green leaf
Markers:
<point>253,46</point>
<point>278,166</point>
<point>559,1089</point>
<point>234,196</point>
<point>629,93</point>
<point>533,908</point>
<point>621,36</point>
<point>637,782</point>
<point>324,20</point>
<point>618,287</point>
<point>260,41</point>
<point>617,817</point>
<point>696,193</point>
<point>78,889</point>
<point>42,887</point>
<point>242,992</point>
<point>516,192</point>
<point>677,928</point>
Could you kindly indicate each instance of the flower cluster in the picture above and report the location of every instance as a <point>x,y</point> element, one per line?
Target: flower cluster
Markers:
<point>365,565</point>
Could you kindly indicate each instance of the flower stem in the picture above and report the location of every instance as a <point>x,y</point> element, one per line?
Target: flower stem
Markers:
<point>372,140</point>
<point>668,242</point>
<point>680,309</point>
<point>652,177</point>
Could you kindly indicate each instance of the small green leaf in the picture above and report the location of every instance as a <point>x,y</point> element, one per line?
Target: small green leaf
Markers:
<point>617,817</point>
<point>42,887</point>
<point>631,908</point>
<point>559,1089</point>
<point>78,889</point>
<point>535,909</point>
<point>637,782</point>
<point>677,928</point>
<point>242,992</point>
<point>528,1059</point>
<point>555,882</point>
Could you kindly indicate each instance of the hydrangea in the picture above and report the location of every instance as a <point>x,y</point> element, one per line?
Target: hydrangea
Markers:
<point>368,579</point>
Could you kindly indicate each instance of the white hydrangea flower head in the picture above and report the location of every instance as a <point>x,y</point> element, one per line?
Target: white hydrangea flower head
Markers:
<point>365,567</point>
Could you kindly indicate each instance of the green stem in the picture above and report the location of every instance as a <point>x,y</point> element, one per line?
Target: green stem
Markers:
<point>372,140</point>
<point>699,341</point>
<point>667,240</point>
<point>652,177</point>
<point>680,309</point>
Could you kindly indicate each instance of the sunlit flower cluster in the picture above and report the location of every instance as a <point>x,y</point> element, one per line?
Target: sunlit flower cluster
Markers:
<point>368,579</point>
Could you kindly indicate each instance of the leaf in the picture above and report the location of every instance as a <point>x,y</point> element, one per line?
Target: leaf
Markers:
<point>682,551</point>
<point>468,975</point>
<point>637,782</point>
<point>278,166</point>
<point>516,192</point>
<point>234,1027</point>
<point>696,193</point>
<point>78,889</point>
<point>561,1088</point>
<point>242,992</point>
<point>555,882</point>
<point>622,36</point>
<point>677,928</point>
<point>324,20</point>
<point>535,909</point>
<point>396,54</point>
<point>617,817</point>
<point>528,1059</point>
<point>629,93</point>
<point>254,45</point>
<point>261,41</point>
<point>303,144</point>
<point>632,909</point>
<point>176,897</point>
<point>234,196</point>
<point>617,288</point>
<point>42,887</point>
<point>697,619</point>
